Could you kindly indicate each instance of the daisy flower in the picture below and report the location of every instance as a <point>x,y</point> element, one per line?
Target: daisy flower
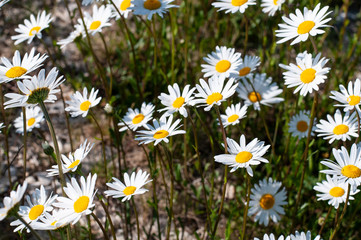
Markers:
<point>150,7</point>
<point>249,64</point>
<point>271,6</point>
<point>242,155</point>
<point>160,131</point>
<point>49,221</point>
<point>350,98</point>
<point>176,101</point>
<point>301,26</point>
<point>79,200</point>
<point>334,191</point>
<point>32,28</point>
<point>267,200</point>
<point>339,128</point>
<point>233,6</point>
<point>2,3</point>
<point>270,237</point>
<point>80,104</point>
<point>133,185</point>
<point>13,200</point>
<point>307,74</point>
<point>213,92</point>
<point>78,31</point>
<point>19,69</point>
<point>298,125</point>
<point>37,204</point>
<point>34,116</point>
<point>221,63</point>
<point>234,114</point>
<point>302,236</point>
<point>123,7</point>
<point>98,20</point>
<point>263,91</point>
<point>347,166</point>
<point>137,118</point>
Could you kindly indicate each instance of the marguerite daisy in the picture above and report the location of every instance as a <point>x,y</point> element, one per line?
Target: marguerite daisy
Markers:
<point>49,221</point>
<point>78,31</point>
<point>302,236</point>
<point>267,200</point>
<point>80,104</point>
<point>234,113</point>
<point>13,200</point>
<point>99,19</point>
<point>150,7</point>
<point>136,118</point>
<point>123,7</point>
<point>249,64</point>
<point>133,185</point>
<point>34,116</point>
<point>270,237</point>
<point>298,125</point>
<point>349,98</point>
<point>233,6</point>
<point>271,6</point>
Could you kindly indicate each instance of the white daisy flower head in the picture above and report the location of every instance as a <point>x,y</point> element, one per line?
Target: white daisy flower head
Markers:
<point>349,98</point>
<point>301,26</point>
<point>37,204</point>
<point>100,19</point>
<point>19,69</point>
<point>302,236</point>
<point>234,113</point>
<point>214,92</point>
<point>222,63</point>
<point>267,200</point>
<point>270,237</point>
<point>87,2</point>
<point>151,7</point>
<point>271,6</point>
<point>243,155</point>
<point>259,89</point>
<point>347,166</point>
<point>49,221</point>
<point>34,116</point>
<point>136,118</point>
<point>334,191</point>
<point>298,125</point>
<point>40,88</point>
<point>123,7</point>
<point>307,74</point>
<point>32,28</point>
<point>80,104</point>
<point>233,6</point>
<point>338,128</point>
<point>176,101</point>
<point>133,185</point>
<point>9,203</point>
<point>78,31</point>
<point>248,65</point>
<point>79,200</point>
<point>3,2</point>
<point>160,131</point>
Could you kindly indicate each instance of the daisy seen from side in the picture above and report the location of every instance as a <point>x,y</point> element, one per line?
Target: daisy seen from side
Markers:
<point>49,221</point>
<point>248,65</point>
<point>349,98</point>
<point>80,104</point>
<point>136,118</point>
<point>78,31</point>
<point>299,125</point>
<point>9,203</point>
<point>271,6</point>
<point>234,113</point>
<point>233,6</point>
<point>34,116</point>
<point>302,236</point>
<point>151,7</point>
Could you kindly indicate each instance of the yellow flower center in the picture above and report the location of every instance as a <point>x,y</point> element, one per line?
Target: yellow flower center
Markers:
<point>351,171</point>
<point>244,71</point>
<point>15,72</point>
<point>74,164</point>
<point>81,204</point>
<point>238,3</point>
<point>94,25</point>
<point>308,75</point>
<point>267,201</point>
<point>214,97</point>
<point>340,129</point>
<point>161,134</point>
<point>124,5</point>
<point>305,27</point>
<point>302,126</point>
<point>337,192</point>
<point>152,4</point>
<point>129,190</point>
<point>222,66</point>
<point>233,118</point>
<point>243,157</point>
<point>34,31</point>
<point>84,106</point>
<point>353,100</point>
<point>275,2</point>
<point>31,122</point>
<point>178,102</point>
<point>53,223</point>
<point>254,97</point>
<point>137,119</point>
<point>35,212</point>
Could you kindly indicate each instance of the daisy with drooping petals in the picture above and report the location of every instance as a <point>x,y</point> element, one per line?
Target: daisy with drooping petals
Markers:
<point>136,118</point>
<point>79,200</point>
<point>260,90</point>
<point>233,6</point>
<point>334,191</point>
<point>349,98</point>
<point>347,166</point>
<point>13,200</point>
<point>176,101</point>
<point>160,131</point>
<point>38,203</point>
<point>98,20</point>
<point>302,236</point>
<point>49,221</point>
<point>213,92</point>
<point>19,69</point>
<point>340,128</point>
<point>249,64</point>
<point>242,155</point>
<point>270,237</point>
<point>150,7</point>
<point>221,63</point>
<point>34,116</point>
<point>2,3</point>
<point>32,28</point>
<point>300,26</point>
<point>80,104</point>
<point>123,7</point>
<point>78,31</point>
<point>267,200</point>
<point>307,74</point>
<point>298,125</point>
<point>133,185</point>
<point>271,6</point>
<point>234,114</point>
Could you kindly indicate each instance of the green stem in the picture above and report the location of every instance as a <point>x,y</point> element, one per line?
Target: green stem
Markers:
<point>247,205</point>
<point>6,136</point>
<point>109,63</point>
<point>324,222</point>
<point>136,217</point>
<point>28,226</point>
<point>100,225</point>
<point>24,141</point>
<point>109,217</point>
